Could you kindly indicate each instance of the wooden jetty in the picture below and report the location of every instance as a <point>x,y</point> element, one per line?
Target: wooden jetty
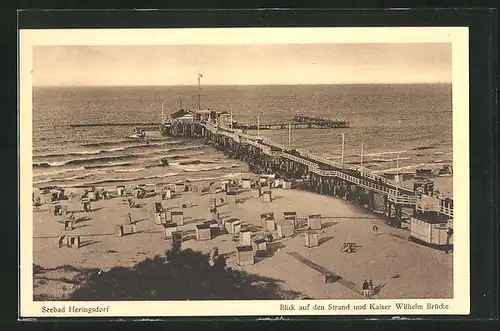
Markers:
<point>299,122</point>
<point>139,124</point>
<point>351,182</point>
<point>320,122</point>
<point>303,123</point>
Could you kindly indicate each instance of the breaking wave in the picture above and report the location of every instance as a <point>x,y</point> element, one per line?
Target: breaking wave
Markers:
<point>108,143</point>
<point>190,162</point>
<point>210,168</point>
<point>81,161</point>
<point>130,170</point>
<point>59,172</point>
<point>108,165</point>
<point>110,150</point>
<point>384,153</point>
<point>391,160</point>
<point>118,180</point>
<point>421,148</point>
<point>112,143</point>
<point>48,164</point>
<point>66,179</point>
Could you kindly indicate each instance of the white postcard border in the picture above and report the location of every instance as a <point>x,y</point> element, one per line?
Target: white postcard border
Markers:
<point>457,36</point>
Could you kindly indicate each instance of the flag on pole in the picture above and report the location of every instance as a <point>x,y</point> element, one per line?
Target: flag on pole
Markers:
<point>200,75</point>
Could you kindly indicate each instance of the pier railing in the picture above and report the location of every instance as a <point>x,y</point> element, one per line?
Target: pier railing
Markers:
<point>369,180</point>
<point>445,210</point>
<point>364,172</point>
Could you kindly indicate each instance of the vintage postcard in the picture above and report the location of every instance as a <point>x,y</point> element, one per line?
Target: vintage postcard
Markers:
<point>249,172</point>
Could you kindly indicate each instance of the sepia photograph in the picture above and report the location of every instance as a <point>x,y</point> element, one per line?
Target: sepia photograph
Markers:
<point>283,167</point>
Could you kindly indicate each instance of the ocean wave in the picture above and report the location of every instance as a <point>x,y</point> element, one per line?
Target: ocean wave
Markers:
<point>108,143</point>
<point>130,170</point>
<point>228,176</point>
<point>392,160</point>
<point>440,161</point>
<point>210,168</point>
<point>116,149</point>
<point>94,152</point>
<point>81,161</point>
<point>66,179</point>
<point>59,172</point>
<point>118,180</point>
<point>160,142</point>
<point>108,165</point>
<point>421,148</point>
<point>122,157</point>
<point>43,181</point>
<point>414,167</point>
<point>104,151</point>
<point>48,164</point>
<point>407,168</point>
<point>192,162</point>
<point>384,153</point>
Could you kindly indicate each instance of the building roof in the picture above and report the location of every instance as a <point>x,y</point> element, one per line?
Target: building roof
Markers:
<point>181,112</point>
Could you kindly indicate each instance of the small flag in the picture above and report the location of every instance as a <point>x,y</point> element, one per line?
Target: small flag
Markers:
<point>200,75</point>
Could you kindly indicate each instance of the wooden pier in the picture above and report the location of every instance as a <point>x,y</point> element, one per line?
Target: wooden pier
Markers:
<point>299,122</point>
<point>350,182</point>
<point>139,124</point>
<point>321,122</point>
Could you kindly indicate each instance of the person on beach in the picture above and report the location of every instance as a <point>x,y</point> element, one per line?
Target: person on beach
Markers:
<point>365,288</point>
<point>449,233</point>
<point>213,211</point>
<point>371,291</point>
<point>269,237</point>
<point>375,229</point>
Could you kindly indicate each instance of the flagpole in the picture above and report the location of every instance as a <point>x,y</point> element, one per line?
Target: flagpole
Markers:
<point>397,168</point>
<point>199,90</point>
<point>258,125</point>
<point>361,153</point>
<point>289,135</point>
<point>162,115</point>
<point>397,165</point>
<point>342,157</point>
<point>231,110</point>
<point>284,142</point>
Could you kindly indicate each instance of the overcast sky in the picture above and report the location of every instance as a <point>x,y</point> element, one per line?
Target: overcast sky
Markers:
<point>241,64</point>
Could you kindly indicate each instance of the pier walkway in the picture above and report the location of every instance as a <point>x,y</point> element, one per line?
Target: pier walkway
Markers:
<point>353,174</point>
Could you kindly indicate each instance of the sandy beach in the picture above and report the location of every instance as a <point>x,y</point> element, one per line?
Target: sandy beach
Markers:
<point>398,267</point>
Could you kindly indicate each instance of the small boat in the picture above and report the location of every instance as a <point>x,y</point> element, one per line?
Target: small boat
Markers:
<point>138,134</point>
<point>446,171</point>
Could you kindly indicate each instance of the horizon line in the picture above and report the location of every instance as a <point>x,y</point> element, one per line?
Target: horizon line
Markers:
<point>195,85</point>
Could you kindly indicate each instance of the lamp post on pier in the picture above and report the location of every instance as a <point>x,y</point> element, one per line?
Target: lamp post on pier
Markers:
<point>361,163</point>
<point>289,135</point>
<point>200,76</point>
<point>342,156</point>
<point>258,125</point>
